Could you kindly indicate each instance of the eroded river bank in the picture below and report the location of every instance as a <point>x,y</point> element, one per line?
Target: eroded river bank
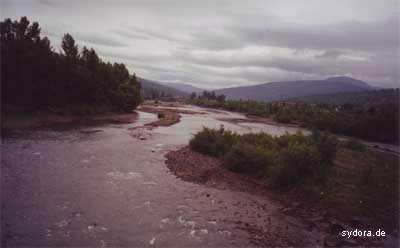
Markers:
<point>107,185</point>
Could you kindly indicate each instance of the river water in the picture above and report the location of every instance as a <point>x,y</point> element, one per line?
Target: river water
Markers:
<point>108,186</point>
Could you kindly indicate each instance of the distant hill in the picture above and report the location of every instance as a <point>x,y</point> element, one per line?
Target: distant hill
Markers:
<point>153,88</point>
<point>184,87</point>
<point>276,91</point>
<point>372,97</point>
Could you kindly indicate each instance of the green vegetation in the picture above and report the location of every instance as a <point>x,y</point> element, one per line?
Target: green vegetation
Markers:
<point>34,76</point>
<point>375,121</point>
<point>214,142</point>
<point>365,184</point>
<point>345,178</point>
<point>374,97</point>
<point>288,160</point>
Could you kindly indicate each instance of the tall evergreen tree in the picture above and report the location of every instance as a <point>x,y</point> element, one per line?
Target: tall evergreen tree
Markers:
<point>69,47</point>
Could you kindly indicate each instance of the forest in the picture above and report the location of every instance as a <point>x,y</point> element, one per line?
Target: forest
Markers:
<point>35,77</point>
<point>374,121</point>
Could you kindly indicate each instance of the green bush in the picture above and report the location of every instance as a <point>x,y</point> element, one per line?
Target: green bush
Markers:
<point>213,142</point>
<point>249,159</point>
<point>284,116</point>
<point>326,144</point>
<point>260,139</point>
<point>288,160</point>
<point>299,163</point>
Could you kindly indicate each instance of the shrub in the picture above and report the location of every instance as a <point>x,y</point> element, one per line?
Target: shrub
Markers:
<point>304,159</point>
<point>299,163</point>
<point>326,144</point>
<point>249,159</point>
<point>213,142</point>
<point>160,115</point>
<point>288,160</point>
<point>262,139</point>
<point>283,116</point>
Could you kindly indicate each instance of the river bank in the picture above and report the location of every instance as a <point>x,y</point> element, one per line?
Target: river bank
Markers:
<point>45,120</point>
<point>343,204</point>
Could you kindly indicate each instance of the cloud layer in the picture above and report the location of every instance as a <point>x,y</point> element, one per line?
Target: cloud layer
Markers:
<point>214,44</point>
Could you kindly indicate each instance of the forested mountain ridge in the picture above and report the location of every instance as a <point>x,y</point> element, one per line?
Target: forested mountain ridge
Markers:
<point>276,91</point>
<point>34,76</point>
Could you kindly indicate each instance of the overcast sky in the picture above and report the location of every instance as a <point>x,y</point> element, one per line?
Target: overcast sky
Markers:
<point>219,43</point>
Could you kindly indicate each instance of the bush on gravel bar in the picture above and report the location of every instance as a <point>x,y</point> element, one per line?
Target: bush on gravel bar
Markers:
<point>213,142</point>
<point>288,160</point>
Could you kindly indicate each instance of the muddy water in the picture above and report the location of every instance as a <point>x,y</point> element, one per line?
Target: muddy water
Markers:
<point>108,186</point>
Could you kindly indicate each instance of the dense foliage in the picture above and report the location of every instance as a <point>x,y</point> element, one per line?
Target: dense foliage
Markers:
<point>289,159</point>
<point>34,76</point>
<point>370,97</point>
<point>375,121</point>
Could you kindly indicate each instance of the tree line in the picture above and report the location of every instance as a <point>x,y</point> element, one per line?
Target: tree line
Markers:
<point>374,121</point>
<point>34,76</point>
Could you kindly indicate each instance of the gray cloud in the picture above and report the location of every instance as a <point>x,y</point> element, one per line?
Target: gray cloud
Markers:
<point>148,33</point>
<point>99,39</point>
<point>223,43</point>
<point>382,34</point>
<point>329,54</point>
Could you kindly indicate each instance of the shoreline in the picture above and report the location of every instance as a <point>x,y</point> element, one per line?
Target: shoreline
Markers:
<point>62,121</point>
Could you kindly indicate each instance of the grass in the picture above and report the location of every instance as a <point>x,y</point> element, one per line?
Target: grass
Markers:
<point>365,183</point>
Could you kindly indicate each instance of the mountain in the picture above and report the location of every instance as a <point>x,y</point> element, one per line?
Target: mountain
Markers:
<point>184,87</point>
<point>276,91</point>
<point>349,80</point>
<point>151,89</point>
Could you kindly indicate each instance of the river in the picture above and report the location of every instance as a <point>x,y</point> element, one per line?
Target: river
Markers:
<point>108,186</point>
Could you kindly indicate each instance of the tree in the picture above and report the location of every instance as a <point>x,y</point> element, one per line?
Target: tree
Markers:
<point>33,32</point>
<point>21,28</point>
<point>221,98</point>
<point>34,76</point>
<point>69,47</point>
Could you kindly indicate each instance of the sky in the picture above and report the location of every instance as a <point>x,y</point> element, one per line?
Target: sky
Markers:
<point>218,43</point>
